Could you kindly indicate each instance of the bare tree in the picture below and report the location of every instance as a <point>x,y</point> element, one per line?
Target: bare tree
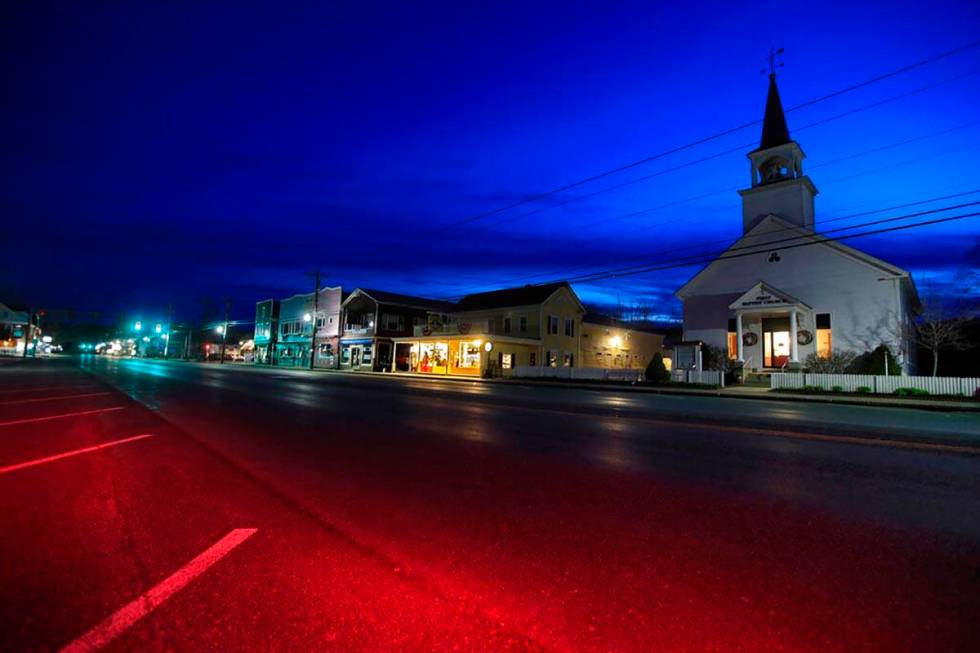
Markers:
<point>938,331</point>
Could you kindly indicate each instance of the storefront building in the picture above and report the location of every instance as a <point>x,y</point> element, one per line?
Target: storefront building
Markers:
<point>492,333</point>
<point>299,315</point>
<point>374,319</point>
<point>266,331</point>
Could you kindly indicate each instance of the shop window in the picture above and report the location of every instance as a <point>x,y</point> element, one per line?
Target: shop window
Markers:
<point>732,340</point>
<point>823,335</point>
<point>345,355</point>
<point>522,324</point>
<point>506,325</point>
<point>506,361</point>
<point>469,355</point>
<point>552,325</point>
<point>569,360</point>
<point>551,358</point>
<point>570,328</point>
<point>533,359</point>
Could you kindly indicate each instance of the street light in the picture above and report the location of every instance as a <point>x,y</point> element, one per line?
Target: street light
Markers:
<point>159,328</point>
<point>138,326</point>
<point>307,317</point>
<point>219,329</point>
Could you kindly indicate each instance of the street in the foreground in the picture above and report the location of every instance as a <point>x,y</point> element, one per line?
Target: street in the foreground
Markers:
<point>166,506</point>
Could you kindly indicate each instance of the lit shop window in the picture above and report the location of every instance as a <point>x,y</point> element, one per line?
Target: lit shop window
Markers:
<point>823,335</point>
<point>732,340</point>
<point>569,360</point>
<point>551,358</point>
<point>469,355</point>
<point>506,361</point>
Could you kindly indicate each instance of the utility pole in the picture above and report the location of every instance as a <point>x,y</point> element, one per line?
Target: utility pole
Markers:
<point>316,307</point>
<point>224,331</point>
<point>170,320</point>
<point>27,328</point>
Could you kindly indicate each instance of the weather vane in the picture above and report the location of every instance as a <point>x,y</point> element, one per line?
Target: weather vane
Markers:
<point>774,63</point>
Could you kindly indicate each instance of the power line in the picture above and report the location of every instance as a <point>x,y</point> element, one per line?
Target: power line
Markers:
<point>739,148</point>
<point>706,139</point>
<point>729,240</point>
<point>782,247</point>
<point>761,247</point>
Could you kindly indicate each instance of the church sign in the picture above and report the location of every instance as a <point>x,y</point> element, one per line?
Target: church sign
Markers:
<point>762,299</point>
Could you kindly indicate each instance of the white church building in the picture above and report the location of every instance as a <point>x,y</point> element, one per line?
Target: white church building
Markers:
<point>782,291</point>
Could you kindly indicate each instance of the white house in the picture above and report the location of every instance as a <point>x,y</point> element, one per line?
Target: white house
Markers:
<point>782,291</point>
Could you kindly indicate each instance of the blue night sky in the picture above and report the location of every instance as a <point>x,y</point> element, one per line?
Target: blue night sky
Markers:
<point>153,154</point>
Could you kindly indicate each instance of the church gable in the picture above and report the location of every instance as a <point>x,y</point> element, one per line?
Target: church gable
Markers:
<point>772,250</point>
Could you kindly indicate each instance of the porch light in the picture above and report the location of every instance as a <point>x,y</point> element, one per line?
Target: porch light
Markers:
<point>307,317</point>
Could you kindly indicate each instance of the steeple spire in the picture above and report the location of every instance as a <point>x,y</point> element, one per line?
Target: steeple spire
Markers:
<point>774,129</point>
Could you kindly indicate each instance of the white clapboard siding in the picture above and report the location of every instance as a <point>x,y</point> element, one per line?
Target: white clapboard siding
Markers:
<point>934,385</point>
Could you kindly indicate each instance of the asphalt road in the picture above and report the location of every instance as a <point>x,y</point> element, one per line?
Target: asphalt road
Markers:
<point>168,506</point>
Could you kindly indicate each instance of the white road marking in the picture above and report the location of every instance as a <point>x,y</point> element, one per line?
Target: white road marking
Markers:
<point>67,454</point>
<point>141,606</point>
<point>61,416</point>
<point>55,398</point>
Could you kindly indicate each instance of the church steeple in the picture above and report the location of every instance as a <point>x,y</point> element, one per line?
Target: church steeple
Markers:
<point>779,186</point>
<point>774,129</point>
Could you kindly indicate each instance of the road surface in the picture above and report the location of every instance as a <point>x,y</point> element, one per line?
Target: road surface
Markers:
<point>169,506</point>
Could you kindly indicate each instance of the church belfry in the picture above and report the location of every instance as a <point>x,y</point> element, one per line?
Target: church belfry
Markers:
<point>779,186</point>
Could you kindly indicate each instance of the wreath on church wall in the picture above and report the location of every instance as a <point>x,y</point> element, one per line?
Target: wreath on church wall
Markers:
<point>749,339</point>
<point>804,337</point>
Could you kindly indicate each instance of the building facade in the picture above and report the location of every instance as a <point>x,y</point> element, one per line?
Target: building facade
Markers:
<point>615,344</point>
<point>373,319</point>
<point>298,316</point>
<point>494,333</point>
<point>783,291</point>
<point>14,332</point>
<point>266,331</point>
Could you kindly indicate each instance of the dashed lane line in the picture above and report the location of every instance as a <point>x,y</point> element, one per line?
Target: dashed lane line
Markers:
<point>35,400</point>
<point>68,454</point>
<point>46,418</point>
<point>144,604</point>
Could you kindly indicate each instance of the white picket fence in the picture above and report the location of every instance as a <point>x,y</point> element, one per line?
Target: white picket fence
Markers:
<point>934,385</point>
<point>707,377</point>
<point>578,373</point>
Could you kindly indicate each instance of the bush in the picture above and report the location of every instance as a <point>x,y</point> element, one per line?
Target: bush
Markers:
<point>873,362</point>
<point>838,388</point>
<point>656,371</point>
<point>910,392</point>
<point>862,390</point>
<point>813,388</point>
<point>837,363</point>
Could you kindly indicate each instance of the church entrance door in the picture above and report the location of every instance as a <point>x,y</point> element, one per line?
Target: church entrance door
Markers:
<point>775,342</point>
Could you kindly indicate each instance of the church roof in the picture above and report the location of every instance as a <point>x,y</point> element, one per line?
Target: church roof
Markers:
<point>749,244</point>
<point>774,129</point>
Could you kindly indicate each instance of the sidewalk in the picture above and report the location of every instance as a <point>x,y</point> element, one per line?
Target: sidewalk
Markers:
<point>737,392</point>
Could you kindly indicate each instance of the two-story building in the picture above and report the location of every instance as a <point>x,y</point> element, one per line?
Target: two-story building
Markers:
<point>374,319</point>
<point>492,333</point>
<point>266,330</point>
<point>298,316</point>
